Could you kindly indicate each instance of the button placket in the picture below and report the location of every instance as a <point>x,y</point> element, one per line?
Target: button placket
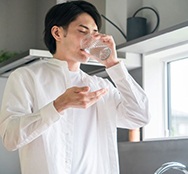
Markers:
<point>69,141</point>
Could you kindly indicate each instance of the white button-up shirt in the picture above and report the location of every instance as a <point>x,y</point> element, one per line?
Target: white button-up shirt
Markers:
<point>29,122</point>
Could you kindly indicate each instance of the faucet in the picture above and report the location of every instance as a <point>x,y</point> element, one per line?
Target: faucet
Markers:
<point>171,165</point>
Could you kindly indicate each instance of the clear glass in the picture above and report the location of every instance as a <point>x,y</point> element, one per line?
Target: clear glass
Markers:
<point>95,47</point>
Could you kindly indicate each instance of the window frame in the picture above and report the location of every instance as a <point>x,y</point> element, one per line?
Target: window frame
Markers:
<point>169,93</point>
<point>154,65</point>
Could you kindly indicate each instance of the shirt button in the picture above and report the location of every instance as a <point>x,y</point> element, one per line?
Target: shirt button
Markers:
<point>67,161</point>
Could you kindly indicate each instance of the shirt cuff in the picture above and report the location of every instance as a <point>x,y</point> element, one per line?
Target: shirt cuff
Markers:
<point>49,114</point>
<point>118,71</point>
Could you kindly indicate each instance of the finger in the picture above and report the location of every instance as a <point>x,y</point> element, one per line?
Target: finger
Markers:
<point>88,99</point>
<point>106,38</point>
<point>98,93</point>
<point>101,92</point>
<point>81,89</point>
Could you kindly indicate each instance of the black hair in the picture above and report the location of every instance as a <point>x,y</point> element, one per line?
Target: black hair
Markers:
<point>63,14</point>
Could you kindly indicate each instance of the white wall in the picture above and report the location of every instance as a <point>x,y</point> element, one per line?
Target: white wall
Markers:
<point>153,78</point>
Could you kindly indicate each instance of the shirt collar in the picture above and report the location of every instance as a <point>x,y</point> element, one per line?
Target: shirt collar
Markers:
<point>57,62</point>
<point>63,64</point>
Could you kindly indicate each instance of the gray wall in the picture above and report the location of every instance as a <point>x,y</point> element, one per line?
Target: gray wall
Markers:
<point>42,8</point>
<point>172,12</point>
<point>22,24</point>
<point>100,4</point>
<point>9,161</point>
<point>17,21</point>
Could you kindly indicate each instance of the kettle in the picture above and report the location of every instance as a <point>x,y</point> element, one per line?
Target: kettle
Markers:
<point>137,26</point>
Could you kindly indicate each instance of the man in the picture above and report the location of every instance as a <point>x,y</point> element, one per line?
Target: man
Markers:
<point>62,120</point>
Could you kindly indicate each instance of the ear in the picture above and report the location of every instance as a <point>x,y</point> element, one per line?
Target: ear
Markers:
<point>57,33</point>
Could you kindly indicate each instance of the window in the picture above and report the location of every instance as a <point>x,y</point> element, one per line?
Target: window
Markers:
<point>177,90</point>
<point>166,85</point>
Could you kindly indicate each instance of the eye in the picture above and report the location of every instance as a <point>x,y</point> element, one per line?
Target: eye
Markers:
<point>81,31</point>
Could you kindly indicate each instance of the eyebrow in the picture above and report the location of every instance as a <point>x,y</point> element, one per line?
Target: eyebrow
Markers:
<point>87,27</point>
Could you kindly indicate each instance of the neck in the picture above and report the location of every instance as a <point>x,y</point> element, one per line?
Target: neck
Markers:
<point>72,65</point>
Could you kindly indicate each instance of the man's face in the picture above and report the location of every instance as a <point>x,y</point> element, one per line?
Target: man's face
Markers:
<point>71,47</point>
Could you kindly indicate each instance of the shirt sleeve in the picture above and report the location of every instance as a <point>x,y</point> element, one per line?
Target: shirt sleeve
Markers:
<point>131,101</point>
<point>19,125</point>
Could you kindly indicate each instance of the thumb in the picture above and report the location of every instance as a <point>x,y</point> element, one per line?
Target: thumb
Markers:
<point>82,89</point>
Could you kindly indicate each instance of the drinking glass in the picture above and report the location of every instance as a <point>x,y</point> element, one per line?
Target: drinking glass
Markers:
<point>95,47</point>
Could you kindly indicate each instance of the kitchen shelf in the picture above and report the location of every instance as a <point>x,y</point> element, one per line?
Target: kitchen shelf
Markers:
<point>157,41</point>
<point>22,59</point>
